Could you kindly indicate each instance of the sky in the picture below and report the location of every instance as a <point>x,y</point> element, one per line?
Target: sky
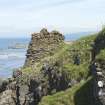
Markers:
<point>20,18</point>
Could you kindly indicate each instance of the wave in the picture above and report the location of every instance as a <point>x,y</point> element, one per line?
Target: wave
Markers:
<point>13,55</point>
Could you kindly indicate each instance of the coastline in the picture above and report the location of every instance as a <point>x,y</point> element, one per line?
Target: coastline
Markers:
<point>11,59</point>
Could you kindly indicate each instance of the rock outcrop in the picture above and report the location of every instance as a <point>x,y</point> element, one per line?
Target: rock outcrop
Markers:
<point>42,44</point>
<point>48,82</point>
<point>49,79</point>
<point>29,87</point>
<point>98,68</point>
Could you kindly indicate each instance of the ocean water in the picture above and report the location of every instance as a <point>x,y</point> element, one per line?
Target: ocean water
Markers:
<point>78,35</point>
<point>11,59</point>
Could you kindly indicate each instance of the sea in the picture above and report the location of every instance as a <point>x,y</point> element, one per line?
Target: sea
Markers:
<point>12,59</point>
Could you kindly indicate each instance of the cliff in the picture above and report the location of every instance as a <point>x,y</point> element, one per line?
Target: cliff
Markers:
<point>42,44</point>
<point>56,73</point>
<point>59,67</point>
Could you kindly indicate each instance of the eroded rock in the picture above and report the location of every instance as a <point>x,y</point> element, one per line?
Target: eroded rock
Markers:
<point>42,44</point>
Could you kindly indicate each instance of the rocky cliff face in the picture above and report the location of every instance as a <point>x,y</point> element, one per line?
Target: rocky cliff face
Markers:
<point>30,93</point>
<point>42,44</point>
<point>70,67</point>
<point>98,67</point>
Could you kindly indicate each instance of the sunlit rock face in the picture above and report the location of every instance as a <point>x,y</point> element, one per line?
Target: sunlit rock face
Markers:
<point>41,45</point>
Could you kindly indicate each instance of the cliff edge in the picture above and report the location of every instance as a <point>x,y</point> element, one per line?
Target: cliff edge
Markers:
<point>42,44</point>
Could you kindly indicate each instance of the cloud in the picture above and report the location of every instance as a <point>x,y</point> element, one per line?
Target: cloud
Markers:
<point>25,16</point>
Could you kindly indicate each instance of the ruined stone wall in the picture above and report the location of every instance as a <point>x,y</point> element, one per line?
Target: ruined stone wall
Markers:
<point>42,44</point>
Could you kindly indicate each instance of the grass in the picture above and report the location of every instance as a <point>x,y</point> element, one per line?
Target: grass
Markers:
<point>80,94</point>
<point>77,71</point>
<point>51,59</point>
<point>64,55</point>
<point>85,43</point>
<point>101,55</point>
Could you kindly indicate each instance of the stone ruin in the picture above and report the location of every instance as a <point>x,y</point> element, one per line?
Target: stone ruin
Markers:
<point>42,44</point>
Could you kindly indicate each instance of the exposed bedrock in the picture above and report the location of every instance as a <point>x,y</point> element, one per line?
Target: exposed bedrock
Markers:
<point>42,44</point>
<point>48,81</point>
<point>98,68</point>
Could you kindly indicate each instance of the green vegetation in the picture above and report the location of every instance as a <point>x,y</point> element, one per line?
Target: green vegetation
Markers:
<point>100,45</point>
<point>80,94</point>
<point>101,55</point>
<point>77,72</point>
<point>100,42</point>
<point>63,57</point>
<point>85,42</point>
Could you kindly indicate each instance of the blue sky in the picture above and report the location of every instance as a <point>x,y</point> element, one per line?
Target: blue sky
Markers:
<point>19,18</point>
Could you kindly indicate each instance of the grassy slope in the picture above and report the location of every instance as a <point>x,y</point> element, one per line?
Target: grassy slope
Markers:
<point>79,94</point>
<point>101,55</point>
<point>51,59</point>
